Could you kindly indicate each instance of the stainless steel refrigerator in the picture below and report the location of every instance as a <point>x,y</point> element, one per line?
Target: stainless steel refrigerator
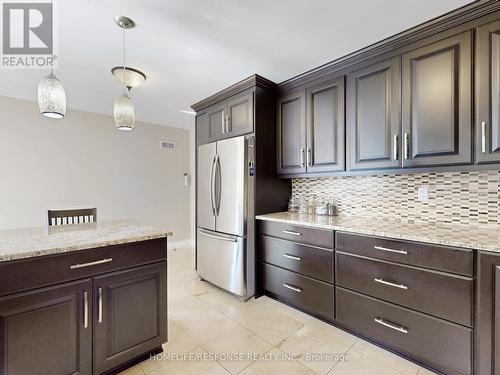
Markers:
<point>225,255</point>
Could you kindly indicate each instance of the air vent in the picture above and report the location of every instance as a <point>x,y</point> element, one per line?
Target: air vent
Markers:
<point>168,145</point>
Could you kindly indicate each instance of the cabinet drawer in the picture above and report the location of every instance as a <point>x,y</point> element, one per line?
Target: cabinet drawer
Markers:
<point>444,346</point>
<point>309,294</point>
<point>31,273</point>
<point>437,257</point>
<point>436,293</point>
<point>297,233</point>
<point>306,260</point>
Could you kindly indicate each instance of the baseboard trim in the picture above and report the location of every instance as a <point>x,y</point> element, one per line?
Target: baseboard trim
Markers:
<point>180,244</point>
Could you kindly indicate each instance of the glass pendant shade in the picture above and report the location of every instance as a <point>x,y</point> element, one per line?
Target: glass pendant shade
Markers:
<point>51,97</point>
<point>124,113</point>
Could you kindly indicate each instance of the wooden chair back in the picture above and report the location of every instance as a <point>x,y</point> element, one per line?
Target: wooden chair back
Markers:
<point>77,216</point>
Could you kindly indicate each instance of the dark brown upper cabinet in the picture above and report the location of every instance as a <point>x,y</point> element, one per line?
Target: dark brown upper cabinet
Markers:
<point>130,314</point>
<point>374,116</point>
<point>488,93</point>
<point>437,85</point>
<point>291,130</point>
<point>325,127</point>
<point>202,130</point>
<point>230,118</point>
<point>47,331</point>
<point>216,122</point>
<point>240,116</point>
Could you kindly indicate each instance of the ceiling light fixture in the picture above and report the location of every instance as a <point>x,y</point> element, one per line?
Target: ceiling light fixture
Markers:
<point>130,78</point>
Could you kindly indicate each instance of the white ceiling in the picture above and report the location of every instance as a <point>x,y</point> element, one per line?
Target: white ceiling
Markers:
<point>190,49</point>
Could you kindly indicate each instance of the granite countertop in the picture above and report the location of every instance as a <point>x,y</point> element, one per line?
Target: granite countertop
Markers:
<point>33,242</point>
<point>458,235</point>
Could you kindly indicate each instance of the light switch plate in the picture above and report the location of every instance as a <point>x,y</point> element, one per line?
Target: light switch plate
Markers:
<point>423,194</point>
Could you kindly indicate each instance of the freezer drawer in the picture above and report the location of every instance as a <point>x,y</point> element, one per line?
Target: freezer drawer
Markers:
<point>221,260</point>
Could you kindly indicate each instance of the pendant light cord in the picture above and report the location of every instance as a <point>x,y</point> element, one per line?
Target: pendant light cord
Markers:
<point>52,28</point>
<point>124,67</point>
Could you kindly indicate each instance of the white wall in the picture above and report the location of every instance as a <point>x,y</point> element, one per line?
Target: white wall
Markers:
<point>83,161</point>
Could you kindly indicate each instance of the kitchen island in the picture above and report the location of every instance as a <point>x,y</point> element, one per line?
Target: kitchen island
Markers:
<point>81,299</point>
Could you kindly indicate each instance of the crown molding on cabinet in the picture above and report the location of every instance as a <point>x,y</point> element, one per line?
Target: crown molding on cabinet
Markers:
<point>248,83</point>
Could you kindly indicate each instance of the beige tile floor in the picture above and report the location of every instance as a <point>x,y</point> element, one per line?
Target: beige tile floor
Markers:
<point>205,321</point>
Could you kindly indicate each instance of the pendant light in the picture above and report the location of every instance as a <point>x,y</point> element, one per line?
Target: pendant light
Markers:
<point>51,97</point>
<point>123,107</point>
<point>51,94</point>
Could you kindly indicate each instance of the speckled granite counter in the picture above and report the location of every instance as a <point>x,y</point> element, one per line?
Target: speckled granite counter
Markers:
<point>466,236</point>
<point>32,242</point>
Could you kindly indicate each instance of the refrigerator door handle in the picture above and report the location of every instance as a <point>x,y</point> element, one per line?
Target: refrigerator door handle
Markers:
<point>212,185</point>
<point>218,237</point>
<point>218,185</point>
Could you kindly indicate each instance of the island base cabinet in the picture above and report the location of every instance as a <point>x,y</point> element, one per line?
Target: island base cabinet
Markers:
<point>130,315</point>
<point>47,331</point>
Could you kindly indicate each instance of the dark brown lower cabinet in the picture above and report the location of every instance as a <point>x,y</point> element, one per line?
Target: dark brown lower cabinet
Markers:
<point>440,294</point>
<point>440,344</point>
<point>47,331</point>
<point>487,351</point>
<point>130,313</point>
<point>305,292</point>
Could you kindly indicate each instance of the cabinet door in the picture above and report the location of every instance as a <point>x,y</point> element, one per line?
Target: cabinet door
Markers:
<point>130,314</point>
<point>488,93</point>
<point>216,122</point>
<point>374,116</point>
<point>47,331</point>
<point>240,115</point>
<point>437,103</point>
<point>202,131</point>
<point>487,353</point>
<point>325,127</point>
<point>291,146</point>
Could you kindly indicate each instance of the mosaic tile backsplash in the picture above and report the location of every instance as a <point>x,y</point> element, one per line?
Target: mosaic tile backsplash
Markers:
<point>454,197</point>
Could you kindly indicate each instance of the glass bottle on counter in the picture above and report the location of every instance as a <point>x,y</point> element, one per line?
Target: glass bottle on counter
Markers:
<point>293,204</point>
<point>303,205</point>
<point>311,206</point>
<point>321,207</point>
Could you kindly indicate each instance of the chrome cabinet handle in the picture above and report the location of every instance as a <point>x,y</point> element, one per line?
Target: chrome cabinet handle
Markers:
<point>483,137</point>
<point>390,250</point>
<point>395,147</point>
<point>227,124</point>
<point>85,309</point>
<point>309,159</point>
<point>391,325</point>
<point>294,288</point>
<point>223,122</point>
<point>90,264</point>
<point>406,150</point>
<point>301,155</point>
<point>292,257</point>
<point>400,286</point>
<point>292,233</point>
<point>99,313</point>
